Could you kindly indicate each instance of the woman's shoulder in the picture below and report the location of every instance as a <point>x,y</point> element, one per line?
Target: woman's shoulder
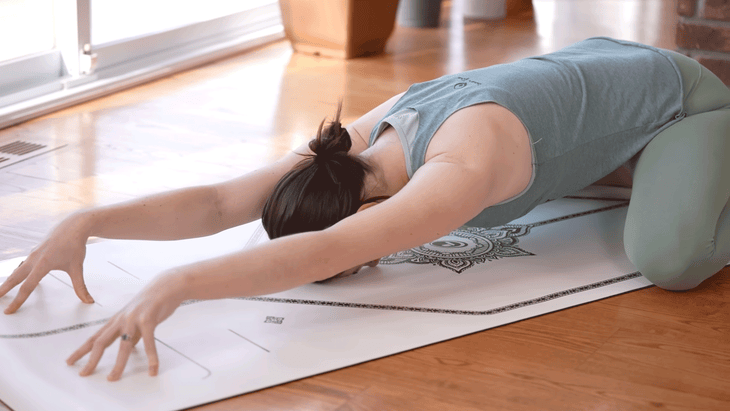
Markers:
<point>489,139</point>
<point>361,128</point>
<point>474,131</point>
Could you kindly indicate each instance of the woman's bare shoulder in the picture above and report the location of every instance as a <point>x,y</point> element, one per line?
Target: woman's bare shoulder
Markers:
<point>361,128</point>
<point>489,139</point>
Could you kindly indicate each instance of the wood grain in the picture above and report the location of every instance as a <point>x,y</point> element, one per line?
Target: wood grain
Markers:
<point>649,349</point>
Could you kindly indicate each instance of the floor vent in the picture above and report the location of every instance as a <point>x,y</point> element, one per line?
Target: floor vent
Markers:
<point>20,148</point>
<point>19,151</point>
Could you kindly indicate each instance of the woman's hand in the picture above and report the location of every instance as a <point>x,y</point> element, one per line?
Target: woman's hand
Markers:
<point>137,320</point>
<point>64,249</point>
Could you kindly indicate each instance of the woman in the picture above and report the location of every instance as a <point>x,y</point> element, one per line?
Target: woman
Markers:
<point>478,148</point>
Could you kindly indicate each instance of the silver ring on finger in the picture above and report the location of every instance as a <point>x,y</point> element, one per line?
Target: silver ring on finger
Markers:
<point>125,337</point>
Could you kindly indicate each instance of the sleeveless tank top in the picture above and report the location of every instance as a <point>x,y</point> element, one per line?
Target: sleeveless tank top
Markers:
<point>588,109</point>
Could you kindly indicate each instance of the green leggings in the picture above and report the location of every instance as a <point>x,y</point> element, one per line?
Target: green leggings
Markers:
<point>677,230</point>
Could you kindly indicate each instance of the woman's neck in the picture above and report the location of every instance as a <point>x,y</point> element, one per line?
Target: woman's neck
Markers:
<point>374,185</point>
<point>388,174</point>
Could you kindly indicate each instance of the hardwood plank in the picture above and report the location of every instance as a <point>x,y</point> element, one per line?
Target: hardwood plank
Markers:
<point>299,395</point>
<point>17,241</point>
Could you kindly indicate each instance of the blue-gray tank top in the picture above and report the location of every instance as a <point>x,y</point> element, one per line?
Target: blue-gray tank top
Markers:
<point>587,108</point>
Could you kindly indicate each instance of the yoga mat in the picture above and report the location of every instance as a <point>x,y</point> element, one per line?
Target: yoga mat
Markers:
<point>564,253</point>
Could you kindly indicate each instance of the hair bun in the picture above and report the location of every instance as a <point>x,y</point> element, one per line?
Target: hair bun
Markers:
<point>331,139</point>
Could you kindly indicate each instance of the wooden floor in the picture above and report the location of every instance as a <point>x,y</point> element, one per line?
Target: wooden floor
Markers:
<point>649,349</point>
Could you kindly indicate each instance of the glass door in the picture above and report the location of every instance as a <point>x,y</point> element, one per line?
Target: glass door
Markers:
<point>26,27</point>
<point>30,63</point>
<point>110,21</point>
<point>142,32</point>
<point>54,53</point>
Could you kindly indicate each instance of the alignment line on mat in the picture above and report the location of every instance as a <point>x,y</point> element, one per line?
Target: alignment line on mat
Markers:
<point>259,231</point>
<point>498,310</point>
<point>56,331</point>
<point>248,340</point>
<point>569,216</point>
<point>185,356</point>
<point>596,198</point>
<point>123,270</point>
<point>70,286</point>
<point>255,236</point>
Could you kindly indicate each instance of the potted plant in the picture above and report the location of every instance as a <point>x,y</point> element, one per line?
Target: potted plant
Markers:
<point>338,28</point>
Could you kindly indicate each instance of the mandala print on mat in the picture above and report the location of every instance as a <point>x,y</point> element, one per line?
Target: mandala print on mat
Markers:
<point>465,248</point>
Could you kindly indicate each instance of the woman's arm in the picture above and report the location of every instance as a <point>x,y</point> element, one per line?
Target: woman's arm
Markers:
<point>189,212</point>
<point>205,210</point>
<point>185,213</point>
<point>440,198</point>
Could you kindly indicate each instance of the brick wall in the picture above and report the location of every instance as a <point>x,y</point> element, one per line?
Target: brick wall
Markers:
<point>703,33</point>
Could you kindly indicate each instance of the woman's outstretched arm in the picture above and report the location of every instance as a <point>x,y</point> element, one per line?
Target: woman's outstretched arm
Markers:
<point>205,210</point>
<point>441,196</point>
<point>189,212</point>
<point>184,213</point>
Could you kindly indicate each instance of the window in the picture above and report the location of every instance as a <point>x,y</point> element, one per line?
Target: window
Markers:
<point>26,27</point>
<point>73,50</point>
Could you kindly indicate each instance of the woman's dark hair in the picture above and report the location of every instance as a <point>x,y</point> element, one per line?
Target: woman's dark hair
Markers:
<point>320,190</point>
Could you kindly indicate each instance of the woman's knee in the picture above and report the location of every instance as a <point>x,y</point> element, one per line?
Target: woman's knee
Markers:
<point>672,278</point>
<point>669,263</point>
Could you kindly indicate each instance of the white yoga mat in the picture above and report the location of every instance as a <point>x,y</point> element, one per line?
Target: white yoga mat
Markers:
<point>564,253</point>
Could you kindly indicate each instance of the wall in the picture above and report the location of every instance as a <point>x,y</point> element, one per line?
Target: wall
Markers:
<point>703,33</point>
